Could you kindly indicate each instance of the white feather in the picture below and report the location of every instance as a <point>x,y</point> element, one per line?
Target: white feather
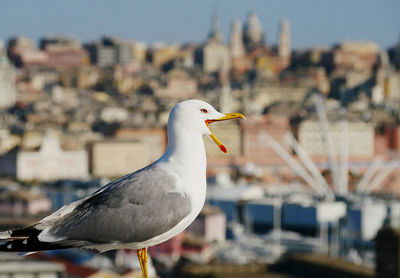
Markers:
<point>5,234</point>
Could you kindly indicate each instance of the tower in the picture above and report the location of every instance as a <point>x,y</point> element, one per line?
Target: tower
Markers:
<point>284,50</point>
<point>253,32</point>
<point>215,34</point>
<point>214,52</point>
<point>236,40</point>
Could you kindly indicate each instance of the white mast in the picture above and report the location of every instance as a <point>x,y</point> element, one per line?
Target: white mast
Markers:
<point>323,121</point>
<point>383,174</point>
<point>365,181</point>
<point>296,166</point>
<point>291,140</point>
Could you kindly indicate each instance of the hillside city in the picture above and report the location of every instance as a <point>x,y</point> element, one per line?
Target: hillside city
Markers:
<point>311,180</point>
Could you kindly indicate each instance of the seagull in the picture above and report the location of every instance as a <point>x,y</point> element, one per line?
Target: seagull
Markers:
<point>141,209</point>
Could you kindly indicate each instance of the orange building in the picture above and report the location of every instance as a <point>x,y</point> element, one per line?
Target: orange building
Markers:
<point>65,56</point>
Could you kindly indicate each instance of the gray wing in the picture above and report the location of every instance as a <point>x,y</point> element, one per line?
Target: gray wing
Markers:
<point>134,208</point>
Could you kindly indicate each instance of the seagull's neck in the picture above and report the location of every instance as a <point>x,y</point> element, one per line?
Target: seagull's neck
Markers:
<point>185,152</point>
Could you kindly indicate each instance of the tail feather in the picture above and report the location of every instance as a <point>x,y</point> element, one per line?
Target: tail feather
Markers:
<point>5,234</point>
<point>26,240</point>
<point>22,233</point>
<point>30,245</point>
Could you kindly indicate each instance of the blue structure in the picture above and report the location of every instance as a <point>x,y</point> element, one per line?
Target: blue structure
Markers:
<point>300,218</point>
<point>260,216</point>
<point>229,207</point>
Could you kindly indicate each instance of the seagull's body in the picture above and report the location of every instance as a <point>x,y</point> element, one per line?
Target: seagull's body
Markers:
<point>141,209</point>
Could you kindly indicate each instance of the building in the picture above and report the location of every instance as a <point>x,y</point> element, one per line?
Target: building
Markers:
<point>267,94</point>
<point>313,77</point>
<point>63,52</point>
<point>215,54</point>
<point>265,60</point>
<point>59,41</point>
<point>110,51</point>
<point>231,199</point>
<point>8,163</point>
<point>139,50</point>
<point>239,61</point>
<point>391,86</point>
<point>101,55</point>
<point>171,248</point>
<point>15,267</point>
<point>253,36</point>
<point>115,158</point>
<point>236,40</point>
<point>22,52</point>
<point>8,141</point>
<point>314,57</point>
<point>387,139</point>
<point>114,114</point>
<point>210,225</point>
<point>364,220</point>
<point>179,85</point>
<point>284,42</point>
<point>163,54</point>
<point>358,56</point>
<point>17,44</point>
<point>50,162</point>
<point>8,92</point>
<point>255,130</point>
<point>65,57</point>
<point>260,214</point>
<point>360,138</point>
<point>273,60</point>
<point>185,245</point>
<point>215,32</point>
<point>23,202</point>
<point>154,138</point>
<point>394,55</point>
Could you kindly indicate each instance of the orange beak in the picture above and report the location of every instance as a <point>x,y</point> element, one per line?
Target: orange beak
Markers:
<point>228,116</point>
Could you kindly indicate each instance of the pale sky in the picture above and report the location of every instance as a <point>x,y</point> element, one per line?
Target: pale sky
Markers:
<point>313,22</point>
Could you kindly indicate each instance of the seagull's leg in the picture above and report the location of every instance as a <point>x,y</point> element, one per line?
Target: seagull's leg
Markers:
<point>142,256</point>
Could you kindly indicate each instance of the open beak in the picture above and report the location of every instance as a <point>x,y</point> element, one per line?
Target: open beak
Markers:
<point>228,116</point>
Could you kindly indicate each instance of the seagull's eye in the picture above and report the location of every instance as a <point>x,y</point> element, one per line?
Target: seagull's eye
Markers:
<point>204,110</point>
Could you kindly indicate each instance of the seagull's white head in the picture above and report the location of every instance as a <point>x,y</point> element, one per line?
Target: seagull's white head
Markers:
<point>196,115</point>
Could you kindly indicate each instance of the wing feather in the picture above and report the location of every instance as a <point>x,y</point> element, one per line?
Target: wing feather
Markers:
<point>134,208</point>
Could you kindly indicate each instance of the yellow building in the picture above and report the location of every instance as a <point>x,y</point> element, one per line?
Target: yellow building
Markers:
<point>162,55</point>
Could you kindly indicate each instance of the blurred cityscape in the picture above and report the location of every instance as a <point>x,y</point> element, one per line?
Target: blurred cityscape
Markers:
<point>310,179</point>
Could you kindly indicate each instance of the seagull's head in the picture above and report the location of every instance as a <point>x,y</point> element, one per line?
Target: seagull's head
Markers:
<point>196,115</point>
